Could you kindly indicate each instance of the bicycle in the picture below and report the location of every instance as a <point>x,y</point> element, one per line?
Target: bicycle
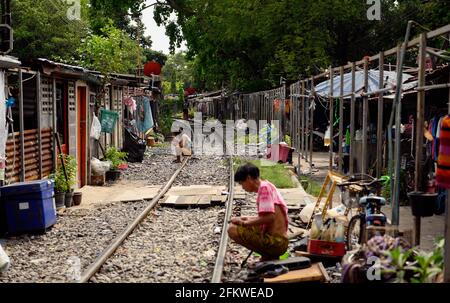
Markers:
<point>369,209</point>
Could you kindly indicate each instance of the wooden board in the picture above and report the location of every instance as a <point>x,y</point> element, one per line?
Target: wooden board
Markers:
<point>187,201</point>
<point>218,200</point>
<point>316,273</point>
<point>170,201</point>
<point>204,201</point>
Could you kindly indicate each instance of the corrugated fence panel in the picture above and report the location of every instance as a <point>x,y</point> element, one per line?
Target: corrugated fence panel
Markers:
<point>14,159</point>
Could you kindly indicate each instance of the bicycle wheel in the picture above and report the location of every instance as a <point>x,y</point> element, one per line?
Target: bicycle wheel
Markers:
<point>355,232</point>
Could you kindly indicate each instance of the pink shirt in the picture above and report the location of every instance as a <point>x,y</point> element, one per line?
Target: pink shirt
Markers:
<point>268,197</point>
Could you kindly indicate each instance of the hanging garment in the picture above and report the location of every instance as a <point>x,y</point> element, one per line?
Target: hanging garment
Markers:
<point>144,118</point>
<point>443,169</point>
<point>131,103</point>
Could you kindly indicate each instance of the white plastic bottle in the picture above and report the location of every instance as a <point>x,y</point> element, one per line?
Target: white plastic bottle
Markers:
<point>4,261</point>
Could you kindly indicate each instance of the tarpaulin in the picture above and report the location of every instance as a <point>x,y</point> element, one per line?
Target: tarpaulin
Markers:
<point>390,81</point>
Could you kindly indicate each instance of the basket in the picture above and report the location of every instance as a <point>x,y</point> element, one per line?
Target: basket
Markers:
<point>108,120</point>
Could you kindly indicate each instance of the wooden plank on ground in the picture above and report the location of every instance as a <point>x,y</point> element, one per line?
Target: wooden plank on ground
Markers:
<point>219,200</point>
<point>312,274</point>
<point>170,201</point>
<point>187,201</point>
<point>204,202</point>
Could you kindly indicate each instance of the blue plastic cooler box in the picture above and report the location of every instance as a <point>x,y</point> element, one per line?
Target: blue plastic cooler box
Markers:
<point>29,206</point>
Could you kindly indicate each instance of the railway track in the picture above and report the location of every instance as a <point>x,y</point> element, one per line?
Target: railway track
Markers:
<point>129,257</point>
<point>109,251</point>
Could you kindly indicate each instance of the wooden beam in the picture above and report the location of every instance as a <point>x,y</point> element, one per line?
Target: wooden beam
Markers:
<point>54,123</point>
<point>380,120</point>
<point>311,143</point>
<point>21,127</point>
<point>365,118</point>
<point>341,122</point>
<point>39,117</point>
<point>352,120</point>
<point>419,130</point>
<point>302,118</point>
<point>331,117</point>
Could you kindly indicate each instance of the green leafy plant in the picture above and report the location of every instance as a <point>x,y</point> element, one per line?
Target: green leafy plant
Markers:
<point>288,140</point>
<point>411,267</point>
<point>116,157</point>
<point>429,265</point>
<point>61,184</point>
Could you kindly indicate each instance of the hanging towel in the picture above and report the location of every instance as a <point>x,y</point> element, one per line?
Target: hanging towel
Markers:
<point>443,170</point>
<point>144,119</point>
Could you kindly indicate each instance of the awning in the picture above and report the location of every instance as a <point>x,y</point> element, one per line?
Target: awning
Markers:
<point>390,81</point>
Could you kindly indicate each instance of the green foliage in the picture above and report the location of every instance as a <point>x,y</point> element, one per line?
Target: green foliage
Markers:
<point>274,173</point>
<point>61,184</point>
<point>112,51</point>
<point>42,30</point>
<point>410,267</point>
<point>250,44</point>
<point>288,140</point>
<point>177,73</point>
<point>116,157</point>
<point>313,188</point>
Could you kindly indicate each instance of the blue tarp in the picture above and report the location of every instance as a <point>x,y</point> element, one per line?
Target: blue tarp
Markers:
<point>390,80</point>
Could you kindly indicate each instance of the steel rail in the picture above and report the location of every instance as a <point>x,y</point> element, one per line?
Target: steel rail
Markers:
<point>109,251</point>
<point>220,260</point>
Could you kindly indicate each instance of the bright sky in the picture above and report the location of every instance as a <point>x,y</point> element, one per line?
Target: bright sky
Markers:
<point>158,34</point>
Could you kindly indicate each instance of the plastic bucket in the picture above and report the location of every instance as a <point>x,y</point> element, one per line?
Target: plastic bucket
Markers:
<point>77,199</point>
<point>422,204</point>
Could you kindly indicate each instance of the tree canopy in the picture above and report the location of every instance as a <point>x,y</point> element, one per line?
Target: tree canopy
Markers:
<point>250,44</point>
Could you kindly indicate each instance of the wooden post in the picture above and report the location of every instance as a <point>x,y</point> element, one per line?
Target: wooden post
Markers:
<point>420,130</point>
<point>302,117</point>
<point>39,115</point>
<point>54,124</point>
<point>447,223</point>
<point>352,120</point>
<point>380,120</point>
<point>341,122</point>
<point>307,129</point>
<point>21,127</point>
<point>365,117</point>
<point>311,144</point>
<point>331,117</point>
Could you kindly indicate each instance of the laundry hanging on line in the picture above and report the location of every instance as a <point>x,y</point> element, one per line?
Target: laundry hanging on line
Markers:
<point>143,115</point>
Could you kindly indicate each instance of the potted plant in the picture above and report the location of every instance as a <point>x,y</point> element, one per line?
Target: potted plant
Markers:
<point>70,164</point>
<point>117,159</point>
<point>60,185</point>
<point>63,186</point>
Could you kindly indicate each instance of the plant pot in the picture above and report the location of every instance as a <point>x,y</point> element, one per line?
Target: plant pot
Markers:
<point>98,180</point>
<point>77,199</point>
<point>422,204</point>
<point>69,199</point>
<point>113,175</point>
<point>60,199</point>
